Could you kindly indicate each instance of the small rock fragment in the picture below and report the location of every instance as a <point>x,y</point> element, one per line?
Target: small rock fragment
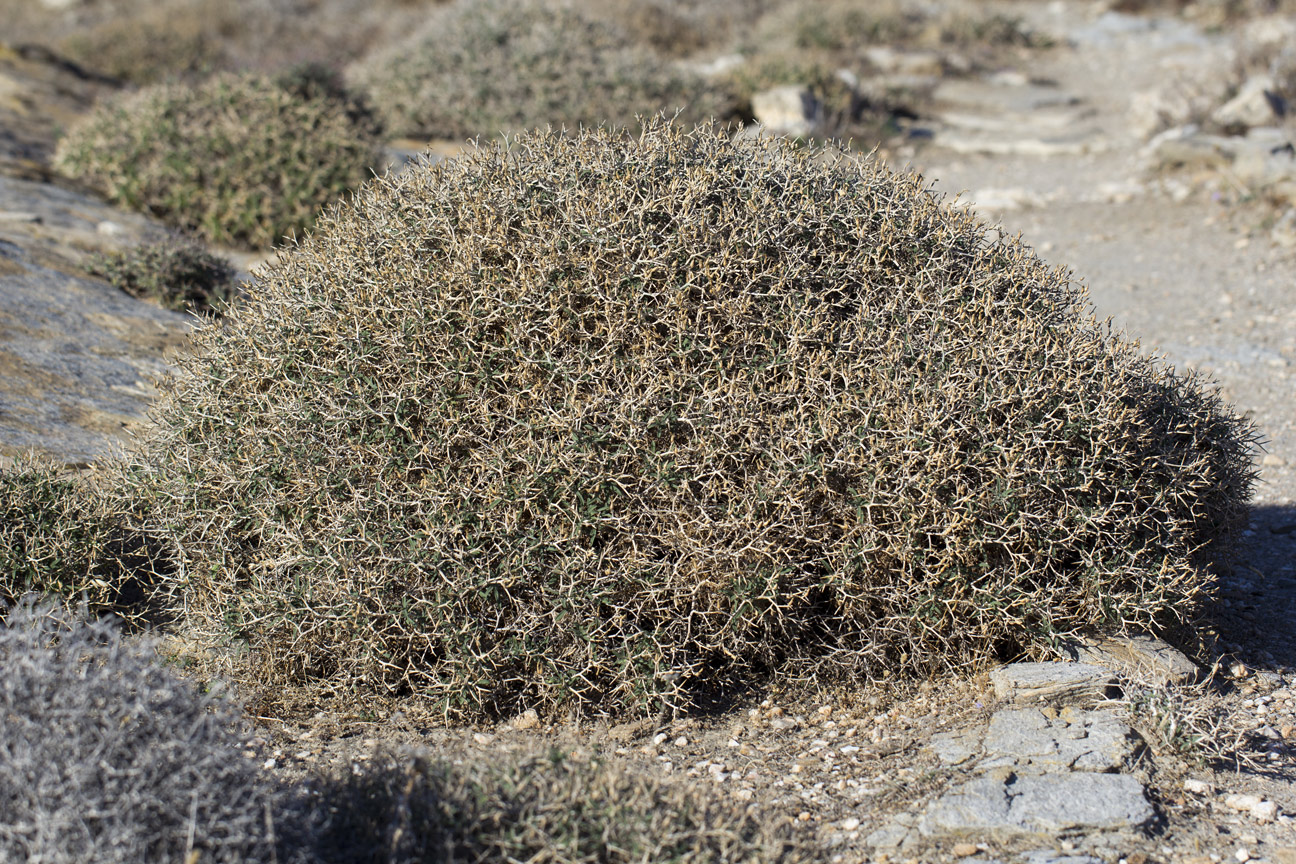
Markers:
<point>963,850</point>
<point>1264,812</point>
<point>528,719</point>
<point>1241,803</point>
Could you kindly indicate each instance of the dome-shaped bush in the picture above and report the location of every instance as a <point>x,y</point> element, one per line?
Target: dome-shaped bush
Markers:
<point>482,67</point>
<point>106,756</point>
<point>595,422</point>
<point>241,160</point>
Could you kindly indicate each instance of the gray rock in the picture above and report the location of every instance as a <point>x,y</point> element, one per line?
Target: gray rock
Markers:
<point>1257,103</point>
<point>1059,683</point>
<point>891,61</point>
<point>1073,740</point>
<point>788,110</point>
<point>76,355</point>
<point>1007,804</point>
<point>1050,856</point>
<point>958,747</point>
<point>1030,740</point>
<point>897,834</point>
<point>1141,657</point>
<point>995,116</point>
<point>1264,159</point>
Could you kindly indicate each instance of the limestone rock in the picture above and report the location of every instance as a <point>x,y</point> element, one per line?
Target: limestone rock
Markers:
<point>1058,683</point>
<point>1257,103</point>
<point>1071,740</point>
<point>76,354</point>
<point>1141,657</point>
<point>788,110</point>
<point>1031,740</point>
<point>1008,804</point>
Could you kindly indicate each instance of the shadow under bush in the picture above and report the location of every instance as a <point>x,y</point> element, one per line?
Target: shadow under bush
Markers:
<point>550,805</point>
<point>608,423</point>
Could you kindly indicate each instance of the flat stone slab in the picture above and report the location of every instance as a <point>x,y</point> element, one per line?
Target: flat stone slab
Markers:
<point>1009,804</point>
<point>1139,656</point>
<point>1072,741</point>
<point>1060,683</point>
<point>1032,740</point>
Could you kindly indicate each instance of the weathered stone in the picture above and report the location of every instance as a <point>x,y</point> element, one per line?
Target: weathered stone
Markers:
<point>1073,740</point>
<point>1008,804</point>
<point>1257,103</point>
<point>1057,683</point>
<point>76,354</point>
<point>890,61</point>
<point>958,747</point>
<point>1187,146</point>
<point>1051,856</point>
<point>899,833</point>
<point>787,110</point>
<point>1141,657</point>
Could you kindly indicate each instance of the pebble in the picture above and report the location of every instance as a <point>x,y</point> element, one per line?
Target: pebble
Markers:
<point>963,850</point>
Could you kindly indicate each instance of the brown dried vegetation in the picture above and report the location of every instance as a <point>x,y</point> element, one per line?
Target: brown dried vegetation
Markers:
<point>615,424</point>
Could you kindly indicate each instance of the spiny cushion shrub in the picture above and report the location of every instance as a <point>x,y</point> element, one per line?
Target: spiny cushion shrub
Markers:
<point>61,536</point>
<point>846,25</point>
<point>555,805</point>
<point>52,533</point>
<point>677,28</point>
<point>606,422</point>
<point>106,756</point>
<point>240,160</point>
<point>179,273</point>
<point>482,67</point>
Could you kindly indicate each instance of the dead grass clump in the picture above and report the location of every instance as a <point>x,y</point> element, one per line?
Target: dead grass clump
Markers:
<point>240,160</point>
<point>602,423</point>
<point>510,65</point>
<point>552,805</point>
<point>106,756</point>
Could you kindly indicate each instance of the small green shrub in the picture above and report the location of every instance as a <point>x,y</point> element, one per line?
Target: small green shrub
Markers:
<point>61,536</point>
<point>52,532</point>
<point>239,160</point>
<point>602,422</point>
<point>555,806</point>
<point>510,65</point>
<point>678,28</point>
<point>106,756</point>
<point>844,26</point>
<point>178,273</point>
